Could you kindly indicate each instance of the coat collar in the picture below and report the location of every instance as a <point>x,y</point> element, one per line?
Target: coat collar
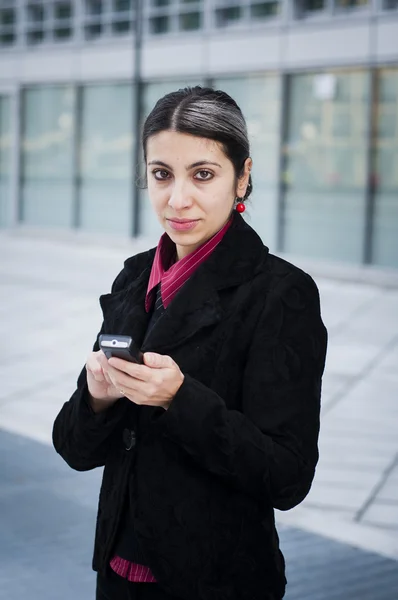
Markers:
<point>237,258</point>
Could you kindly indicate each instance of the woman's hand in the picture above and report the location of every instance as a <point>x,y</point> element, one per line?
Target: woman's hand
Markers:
<point>154,383</point>
<point>100,386</point>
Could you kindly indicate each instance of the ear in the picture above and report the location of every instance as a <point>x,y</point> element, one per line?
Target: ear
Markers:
<point>244,179</point>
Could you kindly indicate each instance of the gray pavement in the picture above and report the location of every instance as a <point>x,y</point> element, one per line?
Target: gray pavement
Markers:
<point>341,542</point>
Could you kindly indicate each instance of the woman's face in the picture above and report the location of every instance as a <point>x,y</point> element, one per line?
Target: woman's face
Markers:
<point>192,187</point>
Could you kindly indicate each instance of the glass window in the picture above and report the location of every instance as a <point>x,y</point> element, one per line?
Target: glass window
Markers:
<point>260,101</point>
<point>385,225</point>
<point>93,31</point>
<point>63,23</point>
<point>106,159</point>
<point>35,36</point>
<point>121,27</point>
<point>314,5</point>
<point>36,12</point>
<point>351,4</point>
<point>190,21</point>
<point>122,5</point>
<point>7,38</point>
<point>5,158</point>
<point>122,18</point>
<point>228,15</point>
<point>47,156</point>
<point>63,10</point>
<point>390,4</point>
<point>94,7</point>
<point>36,17</point>
<point>325,168</point>
<point>161,24</point>
<point>7,16</point>
<point>264,10</point>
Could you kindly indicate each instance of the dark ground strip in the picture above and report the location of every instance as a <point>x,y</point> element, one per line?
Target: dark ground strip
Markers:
<point>47,517</point>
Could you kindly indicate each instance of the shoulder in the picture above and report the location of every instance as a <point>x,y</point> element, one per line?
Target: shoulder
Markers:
<point>287,285</point>
<point>133,267</point>
<point>283,274</point>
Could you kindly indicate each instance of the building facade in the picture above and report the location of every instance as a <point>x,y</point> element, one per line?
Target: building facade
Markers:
<point>317,81</point>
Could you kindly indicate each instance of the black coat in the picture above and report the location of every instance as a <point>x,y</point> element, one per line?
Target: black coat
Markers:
<point>240,436</point>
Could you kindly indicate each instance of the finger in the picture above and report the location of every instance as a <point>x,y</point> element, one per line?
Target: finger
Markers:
<point>107,378</point>
<point>95,369</point>
<point>103,361</point>
<point>135,370</point>
<point>158,361</point>
<point>122,380</point>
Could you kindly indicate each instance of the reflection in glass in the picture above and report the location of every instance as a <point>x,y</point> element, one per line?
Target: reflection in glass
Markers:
<point>325,168</point>
<point>63,10</point>
<point>105,168</point>
<point>36,13</point>
<point>160,24</point>
<point>7,16</point>
<point>94,7</point>
<point>228,15</point>
<point>349,4</point>
<point>264,10</point>
<point>122,5</point>
<point>36,36</point>
<point>47,156</point>
<point>92,31</point>
<point>190,21</point>
<point>310,7</point>
<point>260,101</point>
<point>62,33</point>
<point>5,157</point>
<point>385,225</point>
<point>121,27</point>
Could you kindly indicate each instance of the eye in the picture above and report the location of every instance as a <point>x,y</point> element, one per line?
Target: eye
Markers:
<point>160,174</point>
<point>204,175</point>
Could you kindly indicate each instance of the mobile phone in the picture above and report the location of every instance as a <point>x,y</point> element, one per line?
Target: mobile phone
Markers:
<point>120,346</point>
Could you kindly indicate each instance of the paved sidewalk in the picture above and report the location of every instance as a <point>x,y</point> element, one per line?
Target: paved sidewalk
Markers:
<point>49,316</point>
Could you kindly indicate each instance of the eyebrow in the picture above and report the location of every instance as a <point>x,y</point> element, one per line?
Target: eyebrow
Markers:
<point>199,163</point>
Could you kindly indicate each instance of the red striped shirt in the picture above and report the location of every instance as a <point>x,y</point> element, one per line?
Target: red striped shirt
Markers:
<point>172,276</point>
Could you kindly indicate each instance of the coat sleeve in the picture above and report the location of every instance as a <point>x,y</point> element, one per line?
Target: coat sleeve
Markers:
<point>269,448</point>
<point>81,436</point>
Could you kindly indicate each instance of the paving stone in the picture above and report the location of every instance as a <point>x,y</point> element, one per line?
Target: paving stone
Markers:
<point>382,513</point>
<point>350,359</point>
<point>389,491</point>
<point>346,477</point>
<point>330,495</point>
<point>47,519</point>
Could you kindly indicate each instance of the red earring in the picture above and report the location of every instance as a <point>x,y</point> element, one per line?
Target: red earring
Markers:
<point>240,207</point>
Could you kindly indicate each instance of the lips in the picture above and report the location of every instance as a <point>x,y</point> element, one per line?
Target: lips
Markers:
<point>182,220</point>
<point>182,224</point>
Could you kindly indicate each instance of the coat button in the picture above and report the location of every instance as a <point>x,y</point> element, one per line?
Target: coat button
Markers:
<point>129,438</point>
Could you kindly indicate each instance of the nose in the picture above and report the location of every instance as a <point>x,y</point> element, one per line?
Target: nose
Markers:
<point>180,197</point>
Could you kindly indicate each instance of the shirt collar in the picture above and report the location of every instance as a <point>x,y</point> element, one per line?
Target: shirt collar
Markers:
<point>165,266</point>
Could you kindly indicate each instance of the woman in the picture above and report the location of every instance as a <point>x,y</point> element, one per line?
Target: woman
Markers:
<point>219,425</point>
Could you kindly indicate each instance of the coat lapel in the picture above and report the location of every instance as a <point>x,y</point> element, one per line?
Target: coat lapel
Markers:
<point>197,304</point>
<point>124,311</point>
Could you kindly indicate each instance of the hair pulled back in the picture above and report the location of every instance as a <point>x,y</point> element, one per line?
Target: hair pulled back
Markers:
<point>203,112</point>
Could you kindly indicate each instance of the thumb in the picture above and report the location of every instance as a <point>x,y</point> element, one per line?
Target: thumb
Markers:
<point>157,361</point>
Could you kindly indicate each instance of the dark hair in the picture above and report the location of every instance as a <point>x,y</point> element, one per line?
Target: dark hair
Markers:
<point>207,113</point>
